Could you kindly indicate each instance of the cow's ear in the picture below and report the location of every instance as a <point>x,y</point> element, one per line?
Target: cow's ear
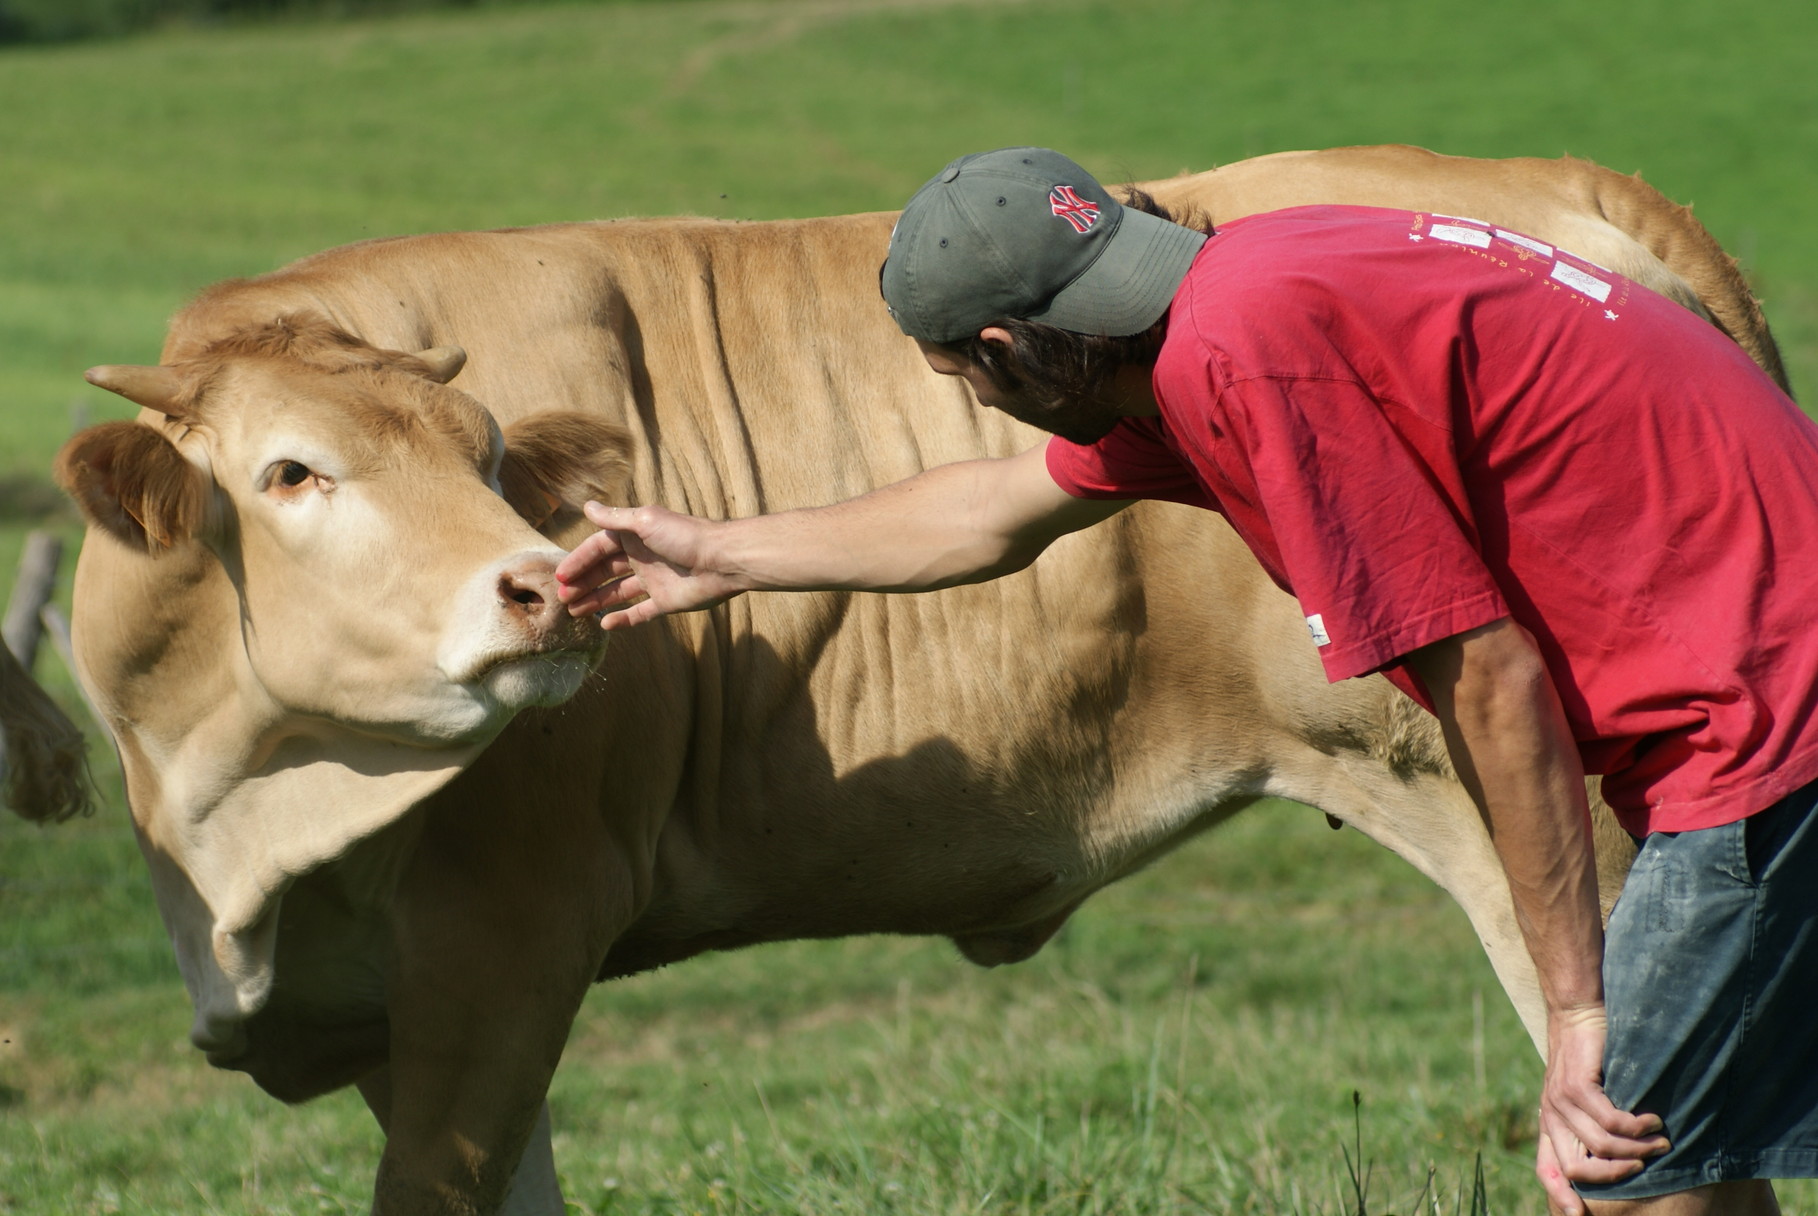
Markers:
<point>131,482</point>
<point>556,461</point>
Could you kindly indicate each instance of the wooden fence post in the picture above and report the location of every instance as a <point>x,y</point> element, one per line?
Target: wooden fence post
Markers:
<point>43,773</point>
<point>37,581</point>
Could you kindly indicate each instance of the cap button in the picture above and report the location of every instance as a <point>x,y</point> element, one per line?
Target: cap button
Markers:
<point>949,173</point>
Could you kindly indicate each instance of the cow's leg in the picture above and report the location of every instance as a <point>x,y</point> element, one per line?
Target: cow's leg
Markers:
<point>535,1189</point>
<point>498,927</point>
<point>1435,826</point>
<point>480,1008</point>
<point>1432,823</point>
<point>1393,782</point>
<point>493,957</point>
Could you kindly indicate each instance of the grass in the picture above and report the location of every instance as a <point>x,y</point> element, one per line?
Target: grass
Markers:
<point>1192,1041</point>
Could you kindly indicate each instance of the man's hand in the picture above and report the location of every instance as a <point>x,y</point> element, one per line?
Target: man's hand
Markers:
<point>1583,1136</point>
<point>647,557</point>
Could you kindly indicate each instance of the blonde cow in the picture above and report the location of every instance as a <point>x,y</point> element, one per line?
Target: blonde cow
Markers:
<point>397,825</point>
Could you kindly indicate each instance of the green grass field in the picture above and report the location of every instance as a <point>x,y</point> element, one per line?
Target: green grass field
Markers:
<point>1191,1043</point>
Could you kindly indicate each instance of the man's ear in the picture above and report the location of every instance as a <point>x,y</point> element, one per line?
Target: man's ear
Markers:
<point>557,460</point>
<point>997,334</point>
<point>132,483</point>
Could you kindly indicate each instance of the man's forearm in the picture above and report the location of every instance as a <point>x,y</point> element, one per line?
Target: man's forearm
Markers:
<point>1514,751</point>
<point>954,524</point>
<point>937,529</point>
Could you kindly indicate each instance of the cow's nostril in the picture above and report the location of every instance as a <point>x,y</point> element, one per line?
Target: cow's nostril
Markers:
<point>524,592</point>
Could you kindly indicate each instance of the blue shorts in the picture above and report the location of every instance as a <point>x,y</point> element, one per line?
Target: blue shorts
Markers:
<point>1711,980</point>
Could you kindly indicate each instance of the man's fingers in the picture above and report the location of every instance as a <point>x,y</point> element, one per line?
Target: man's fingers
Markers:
<point>1577,1149</point>
<point>1580,1167</point>
<point>590,563</point>
<point>1609,1133</point>
<point>596,564</point>
<point>626,618</point>
<point>616,572</point>
<point>1559,1190</point>
<point>618,519</point>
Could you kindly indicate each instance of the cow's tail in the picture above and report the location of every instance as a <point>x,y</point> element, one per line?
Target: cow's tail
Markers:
<point>44,762</point>
<point>1672,234</point>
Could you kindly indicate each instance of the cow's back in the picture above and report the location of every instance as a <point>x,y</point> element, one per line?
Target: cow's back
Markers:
<point>1614,220</point>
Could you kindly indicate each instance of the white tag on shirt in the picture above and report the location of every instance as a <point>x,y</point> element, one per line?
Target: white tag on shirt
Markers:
<point>1578,280</point>
<point>1316,625</point>
<point>1459,235</point>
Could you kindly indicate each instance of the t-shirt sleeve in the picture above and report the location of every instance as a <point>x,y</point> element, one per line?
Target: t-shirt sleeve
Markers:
<point>1133,461</point>
<point>1367,510</point>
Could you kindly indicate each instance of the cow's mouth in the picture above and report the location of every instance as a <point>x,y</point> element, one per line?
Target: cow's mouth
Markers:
<point>523,680</point>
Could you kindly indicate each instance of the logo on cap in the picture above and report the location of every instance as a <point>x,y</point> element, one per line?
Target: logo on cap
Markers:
<point>1081,213</point>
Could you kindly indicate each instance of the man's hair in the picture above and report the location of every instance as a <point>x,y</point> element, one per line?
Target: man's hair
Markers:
<point>1049,366</point>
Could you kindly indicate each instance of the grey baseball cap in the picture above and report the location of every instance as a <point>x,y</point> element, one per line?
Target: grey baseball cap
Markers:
<point>1025,232</point>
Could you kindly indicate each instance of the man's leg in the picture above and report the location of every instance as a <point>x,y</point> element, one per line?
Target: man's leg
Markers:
<point>1754,1197</point>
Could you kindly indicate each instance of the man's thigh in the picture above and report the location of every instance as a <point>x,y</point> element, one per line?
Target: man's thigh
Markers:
<point>1710,975</point>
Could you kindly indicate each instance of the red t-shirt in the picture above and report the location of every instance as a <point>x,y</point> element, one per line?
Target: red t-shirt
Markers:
<point>1423,424</point>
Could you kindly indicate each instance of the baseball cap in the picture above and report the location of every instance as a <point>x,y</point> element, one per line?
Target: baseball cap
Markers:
<point>1026,232</point>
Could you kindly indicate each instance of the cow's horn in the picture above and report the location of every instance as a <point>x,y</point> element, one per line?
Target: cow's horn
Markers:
<point>155,388</point>
<point>444,362</point>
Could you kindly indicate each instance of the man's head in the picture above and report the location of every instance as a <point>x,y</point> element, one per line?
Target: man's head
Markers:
<point>1018,271</point>
<point>1028,234</point>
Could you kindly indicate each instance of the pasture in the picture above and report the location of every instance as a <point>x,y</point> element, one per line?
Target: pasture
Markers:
<point>1192,1041</point>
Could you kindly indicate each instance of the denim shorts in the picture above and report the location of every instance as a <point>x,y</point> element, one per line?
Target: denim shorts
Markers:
<point>1711,980</point>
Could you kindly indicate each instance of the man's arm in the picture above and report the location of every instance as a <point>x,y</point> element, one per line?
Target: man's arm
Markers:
<point>1514,751</point>
<point>959,523</point>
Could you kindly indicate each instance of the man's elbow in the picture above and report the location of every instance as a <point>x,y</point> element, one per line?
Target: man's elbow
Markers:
<point>1500,654</point>
<point>1504,653</point>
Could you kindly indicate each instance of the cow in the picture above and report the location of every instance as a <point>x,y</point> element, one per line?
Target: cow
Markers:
<point>43,758</point>
<point>401,814</point>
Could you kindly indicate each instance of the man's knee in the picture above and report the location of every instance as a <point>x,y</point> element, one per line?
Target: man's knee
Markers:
<point>1750,1197</point>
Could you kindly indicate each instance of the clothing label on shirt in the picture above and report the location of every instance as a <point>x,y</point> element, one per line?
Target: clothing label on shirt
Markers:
<point>1316,625</point>
<point>1526,242</point>
<point>1578,280</point>
<point>1462,236</point>
<point>1524,255</point>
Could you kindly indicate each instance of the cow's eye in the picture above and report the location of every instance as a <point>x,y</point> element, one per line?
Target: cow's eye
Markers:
<point>293,473</point>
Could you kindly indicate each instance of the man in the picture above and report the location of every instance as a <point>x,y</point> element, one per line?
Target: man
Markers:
<point>1561,512</point>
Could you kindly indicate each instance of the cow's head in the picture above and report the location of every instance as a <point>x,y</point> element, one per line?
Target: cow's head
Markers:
<point>315,588</point>
<point>372,519</point>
